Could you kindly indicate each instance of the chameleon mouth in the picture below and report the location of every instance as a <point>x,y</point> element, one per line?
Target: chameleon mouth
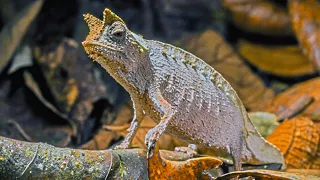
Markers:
<point>97,50</point>
<point>99,46</point>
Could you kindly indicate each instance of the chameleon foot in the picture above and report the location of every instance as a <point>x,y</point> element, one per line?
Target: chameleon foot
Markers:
<point>191,150</point>
<point>123,145</point>
<point>152,137</point>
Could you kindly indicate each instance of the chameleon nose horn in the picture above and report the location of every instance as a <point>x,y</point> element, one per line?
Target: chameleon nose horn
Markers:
<point>95,26</point>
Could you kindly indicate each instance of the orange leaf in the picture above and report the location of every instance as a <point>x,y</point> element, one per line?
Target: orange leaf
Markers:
<point>300,100</point>
<point>305,17</point>
<point>190,169</point>
<point>298,140</point>
<point>285,61</point>
<point>263,17</point>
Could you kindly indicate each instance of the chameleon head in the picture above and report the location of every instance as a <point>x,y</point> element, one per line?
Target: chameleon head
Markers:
<point>112,44</point>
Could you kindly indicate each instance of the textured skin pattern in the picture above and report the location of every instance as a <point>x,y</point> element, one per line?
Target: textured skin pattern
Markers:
<point>198,103</point>
<point>183,94</point>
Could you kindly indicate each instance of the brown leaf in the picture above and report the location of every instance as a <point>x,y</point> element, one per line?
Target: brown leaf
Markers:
<point>72,84</point>
<point>53,63</point>
<point>304,171</point>
<point>302,99</point>
<point>284,61</point>
<point>267,174</point>
<point>305,17</point>
<point>100,141</point>
<point>33,86</point>
<point>298,140</point>
<point>12,33</point>
<point>213,49</point>
<point>160,168</point>
<point>263,17</point>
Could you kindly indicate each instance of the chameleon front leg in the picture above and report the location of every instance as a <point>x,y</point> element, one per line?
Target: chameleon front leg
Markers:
<point>166,112</point>
<point>135,123</point>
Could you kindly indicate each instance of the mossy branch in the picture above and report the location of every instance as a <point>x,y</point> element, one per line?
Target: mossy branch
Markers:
<point>26,160</point>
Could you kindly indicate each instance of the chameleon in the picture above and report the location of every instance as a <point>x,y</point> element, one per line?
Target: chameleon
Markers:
<point>180,92</point>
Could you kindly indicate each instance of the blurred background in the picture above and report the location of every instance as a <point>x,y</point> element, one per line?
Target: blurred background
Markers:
<point>50,91</point>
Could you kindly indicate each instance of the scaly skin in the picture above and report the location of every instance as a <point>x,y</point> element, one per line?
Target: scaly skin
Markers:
<point>182,93</point>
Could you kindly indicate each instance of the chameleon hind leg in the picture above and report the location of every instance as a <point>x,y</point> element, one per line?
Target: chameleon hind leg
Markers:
<point>236,153</point>
<point>236,162</point>
<point>135,123</point>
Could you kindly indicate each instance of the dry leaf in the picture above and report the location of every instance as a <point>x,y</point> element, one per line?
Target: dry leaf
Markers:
<point>160,168</point>
<point>12,33</point>
<point>33,86</point>
<point>305,171</point>
<point>74,92</point>
<point>298,140</point>
<point>302,99</point>
<point>54,61</point>
<point>285,61</point>
<point>305,17</point>
<point>100,141</point>
<point>23,59</point>
<point>267,174</point>
<point>213,49</point>
<point>263,17</point>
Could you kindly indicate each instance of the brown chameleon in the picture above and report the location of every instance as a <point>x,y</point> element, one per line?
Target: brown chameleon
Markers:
<point>179,91</point>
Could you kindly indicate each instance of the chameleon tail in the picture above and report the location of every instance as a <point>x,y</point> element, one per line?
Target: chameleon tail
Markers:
<point>259,150</point>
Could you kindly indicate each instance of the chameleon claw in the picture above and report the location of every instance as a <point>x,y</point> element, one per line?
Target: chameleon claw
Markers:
<point>151,141</point>
<point>150,151</point>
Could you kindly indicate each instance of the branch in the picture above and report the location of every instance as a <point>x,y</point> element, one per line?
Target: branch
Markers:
<point>27,160</point>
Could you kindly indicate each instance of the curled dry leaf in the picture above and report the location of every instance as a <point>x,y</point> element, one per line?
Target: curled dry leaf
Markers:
<point>263,17</point>
<point>160,168</point>
<point>74,92</point>
<point>53,61</point>
<point>284,61</point>
<point>22,59</point>
<point>299,141</point>
<point>33,86</point>
<point>212,48</point>
<point>302,99</point>
<point>305,17</point>
<point>12,34</point>
<point>267,174</point>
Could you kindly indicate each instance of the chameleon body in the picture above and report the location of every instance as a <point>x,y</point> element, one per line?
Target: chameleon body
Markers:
<point>179,91</point>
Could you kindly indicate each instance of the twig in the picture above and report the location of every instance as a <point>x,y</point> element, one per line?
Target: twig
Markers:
<point>20,129</point>
<point>34,157</point>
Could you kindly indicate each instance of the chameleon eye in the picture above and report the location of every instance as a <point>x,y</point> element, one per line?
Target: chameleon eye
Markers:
<point>117,31</point>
